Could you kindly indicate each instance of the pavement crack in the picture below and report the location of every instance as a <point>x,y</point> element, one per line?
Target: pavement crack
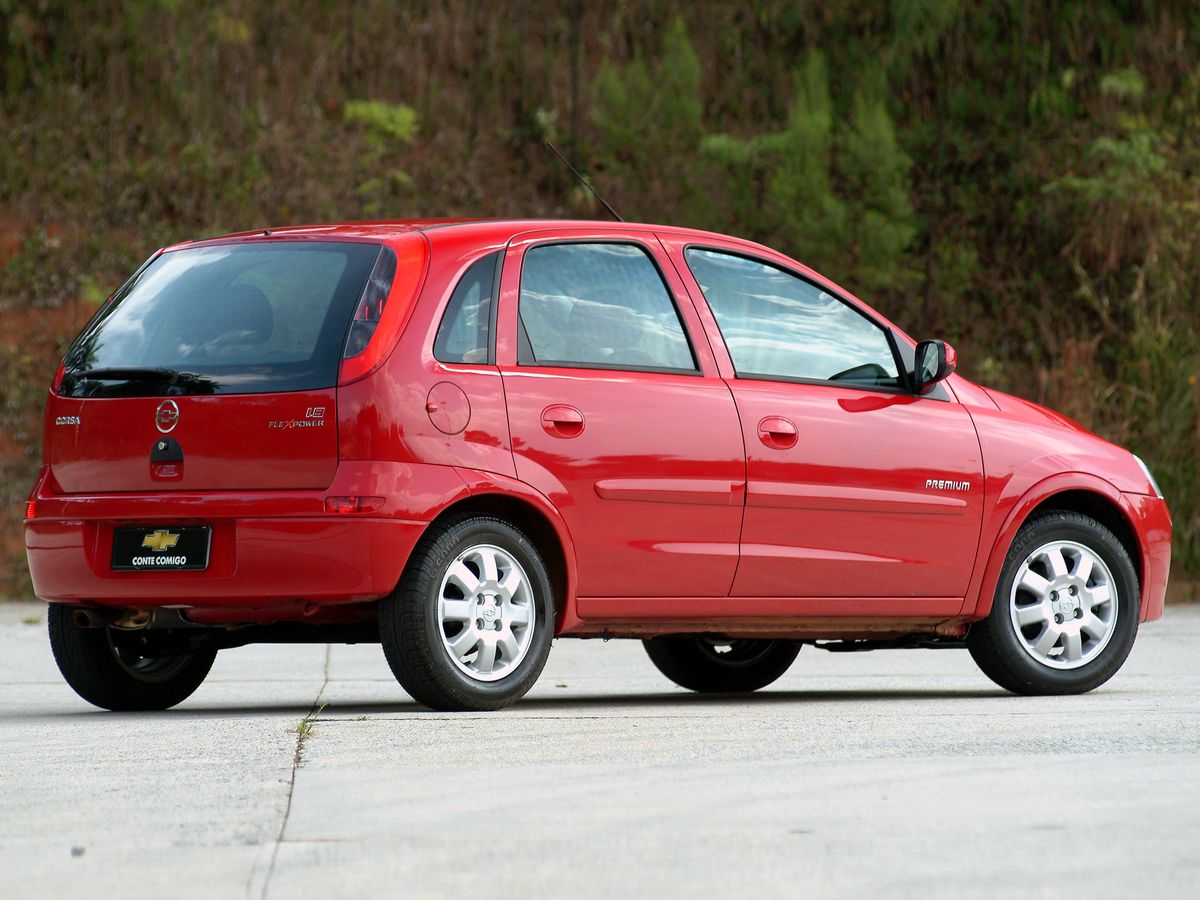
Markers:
<point>303,731</point>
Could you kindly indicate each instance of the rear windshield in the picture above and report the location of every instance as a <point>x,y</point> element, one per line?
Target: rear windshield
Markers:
<point>230,319</point>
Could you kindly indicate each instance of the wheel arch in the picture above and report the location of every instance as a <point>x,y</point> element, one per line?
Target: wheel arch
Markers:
<point>1070,492</point>
<point>532,514</point>
<point>1108,513</point>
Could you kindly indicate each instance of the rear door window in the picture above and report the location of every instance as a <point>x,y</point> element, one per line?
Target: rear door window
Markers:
<point>599,305</point>
<point>235,318</point>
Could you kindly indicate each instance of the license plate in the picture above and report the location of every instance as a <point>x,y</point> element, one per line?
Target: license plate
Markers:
<point>158,549</point>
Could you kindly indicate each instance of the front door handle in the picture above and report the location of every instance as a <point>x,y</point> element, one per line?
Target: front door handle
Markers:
<point>562,421</point>
<point>777,432</point>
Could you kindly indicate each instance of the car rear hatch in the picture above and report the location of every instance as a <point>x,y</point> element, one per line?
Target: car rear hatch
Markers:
<point>215,368</point>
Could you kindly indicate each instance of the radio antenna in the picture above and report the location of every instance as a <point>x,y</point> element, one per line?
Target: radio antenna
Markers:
<point>587,184</point>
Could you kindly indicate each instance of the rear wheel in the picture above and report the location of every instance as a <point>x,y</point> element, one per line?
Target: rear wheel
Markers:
<point>118,670</point>
<point>716,665</point>
<point>1065,613</point>
<point>469,627</point>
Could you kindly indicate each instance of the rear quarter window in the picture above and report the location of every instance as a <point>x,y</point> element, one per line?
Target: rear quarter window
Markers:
<point>464,333</point>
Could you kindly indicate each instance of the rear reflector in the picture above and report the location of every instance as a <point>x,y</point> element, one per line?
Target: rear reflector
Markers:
<point>345,506</point>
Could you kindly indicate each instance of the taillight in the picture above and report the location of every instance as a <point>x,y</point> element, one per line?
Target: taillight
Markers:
<point>383,308</point>
<point>370,307</point>
<point>58,378</point>
<point>30,509</point>
<point>346,506</point>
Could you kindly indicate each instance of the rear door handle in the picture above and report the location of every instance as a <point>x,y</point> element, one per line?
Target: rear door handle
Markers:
<point>562,421</point>
<point>777,432</point>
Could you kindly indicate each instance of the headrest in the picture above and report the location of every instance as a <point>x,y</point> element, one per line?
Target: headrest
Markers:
<point>241,315</point>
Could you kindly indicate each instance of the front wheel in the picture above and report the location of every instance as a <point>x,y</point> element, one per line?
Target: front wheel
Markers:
<point>1065,613</point>
<point>469,627</point>
<point>119,670</point>
<point>716,665</point>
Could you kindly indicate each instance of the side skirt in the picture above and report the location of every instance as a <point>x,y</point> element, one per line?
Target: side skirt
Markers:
<point>808,618</point>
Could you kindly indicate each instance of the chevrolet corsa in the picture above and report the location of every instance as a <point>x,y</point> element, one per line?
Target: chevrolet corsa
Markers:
<point>462,439</point>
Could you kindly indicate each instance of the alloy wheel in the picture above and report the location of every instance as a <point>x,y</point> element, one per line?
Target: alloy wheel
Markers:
<point>486,612</point>
<point>1063,605</point>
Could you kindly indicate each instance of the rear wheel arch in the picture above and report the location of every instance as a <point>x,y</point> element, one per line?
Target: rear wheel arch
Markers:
<point>535,524</point>
<point>1099,502</point>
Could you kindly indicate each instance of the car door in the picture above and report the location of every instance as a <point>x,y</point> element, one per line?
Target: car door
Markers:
<point>618,414</point>
<point>855,487</point>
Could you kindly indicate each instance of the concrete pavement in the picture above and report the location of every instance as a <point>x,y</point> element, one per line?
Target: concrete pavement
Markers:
<point>902,773</point>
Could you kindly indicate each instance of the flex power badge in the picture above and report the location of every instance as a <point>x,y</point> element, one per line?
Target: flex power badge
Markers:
<point>314,417</point>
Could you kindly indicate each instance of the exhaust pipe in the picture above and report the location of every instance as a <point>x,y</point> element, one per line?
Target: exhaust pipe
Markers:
<point>134,619</point>
<point>94,618</point>
<point>125,619</point>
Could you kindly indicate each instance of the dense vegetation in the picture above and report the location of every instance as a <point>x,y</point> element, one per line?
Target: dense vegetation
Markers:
<point>1018,177</point>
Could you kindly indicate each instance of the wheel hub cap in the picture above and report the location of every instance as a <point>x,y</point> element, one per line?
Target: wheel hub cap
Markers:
<point>486,613</point>
<point>1063,605</point>
<point>1066,608</point>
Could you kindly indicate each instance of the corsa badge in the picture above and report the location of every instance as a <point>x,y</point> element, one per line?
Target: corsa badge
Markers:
<point>160,540</point>
<point>166,417</point>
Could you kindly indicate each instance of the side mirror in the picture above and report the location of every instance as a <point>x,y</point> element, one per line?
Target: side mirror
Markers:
<point>935,360</point>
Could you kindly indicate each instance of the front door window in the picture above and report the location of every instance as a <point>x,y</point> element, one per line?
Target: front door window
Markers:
<point>779,326</point>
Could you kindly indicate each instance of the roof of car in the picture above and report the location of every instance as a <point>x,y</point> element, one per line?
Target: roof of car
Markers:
<point>499,231</point>
<point>486,228</point>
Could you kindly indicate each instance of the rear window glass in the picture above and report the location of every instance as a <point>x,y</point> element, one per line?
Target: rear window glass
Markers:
<point>240,318</point>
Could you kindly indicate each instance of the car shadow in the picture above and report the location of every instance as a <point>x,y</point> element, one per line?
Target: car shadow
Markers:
<point>569,705</point>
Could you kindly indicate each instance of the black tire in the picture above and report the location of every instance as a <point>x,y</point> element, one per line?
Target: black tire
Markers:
<point>998,648</point>
<point>711,665</point>
<point>412,631</point>
<point>107,669</point>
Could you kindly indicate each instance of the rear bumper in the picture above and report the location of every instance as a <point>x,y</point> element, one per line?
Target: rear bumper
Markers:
<point>253,560</point>
<point>270,550</point>
<point>1152,523</point>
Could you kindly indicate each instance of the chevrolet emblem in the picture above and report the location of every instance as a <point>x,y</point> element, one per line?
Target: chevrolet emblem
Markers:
<point>160,540</point>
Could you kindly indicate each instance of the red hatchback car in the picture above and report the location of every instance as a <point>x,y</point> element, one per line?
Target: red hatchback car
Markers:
<point>462,439</point>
